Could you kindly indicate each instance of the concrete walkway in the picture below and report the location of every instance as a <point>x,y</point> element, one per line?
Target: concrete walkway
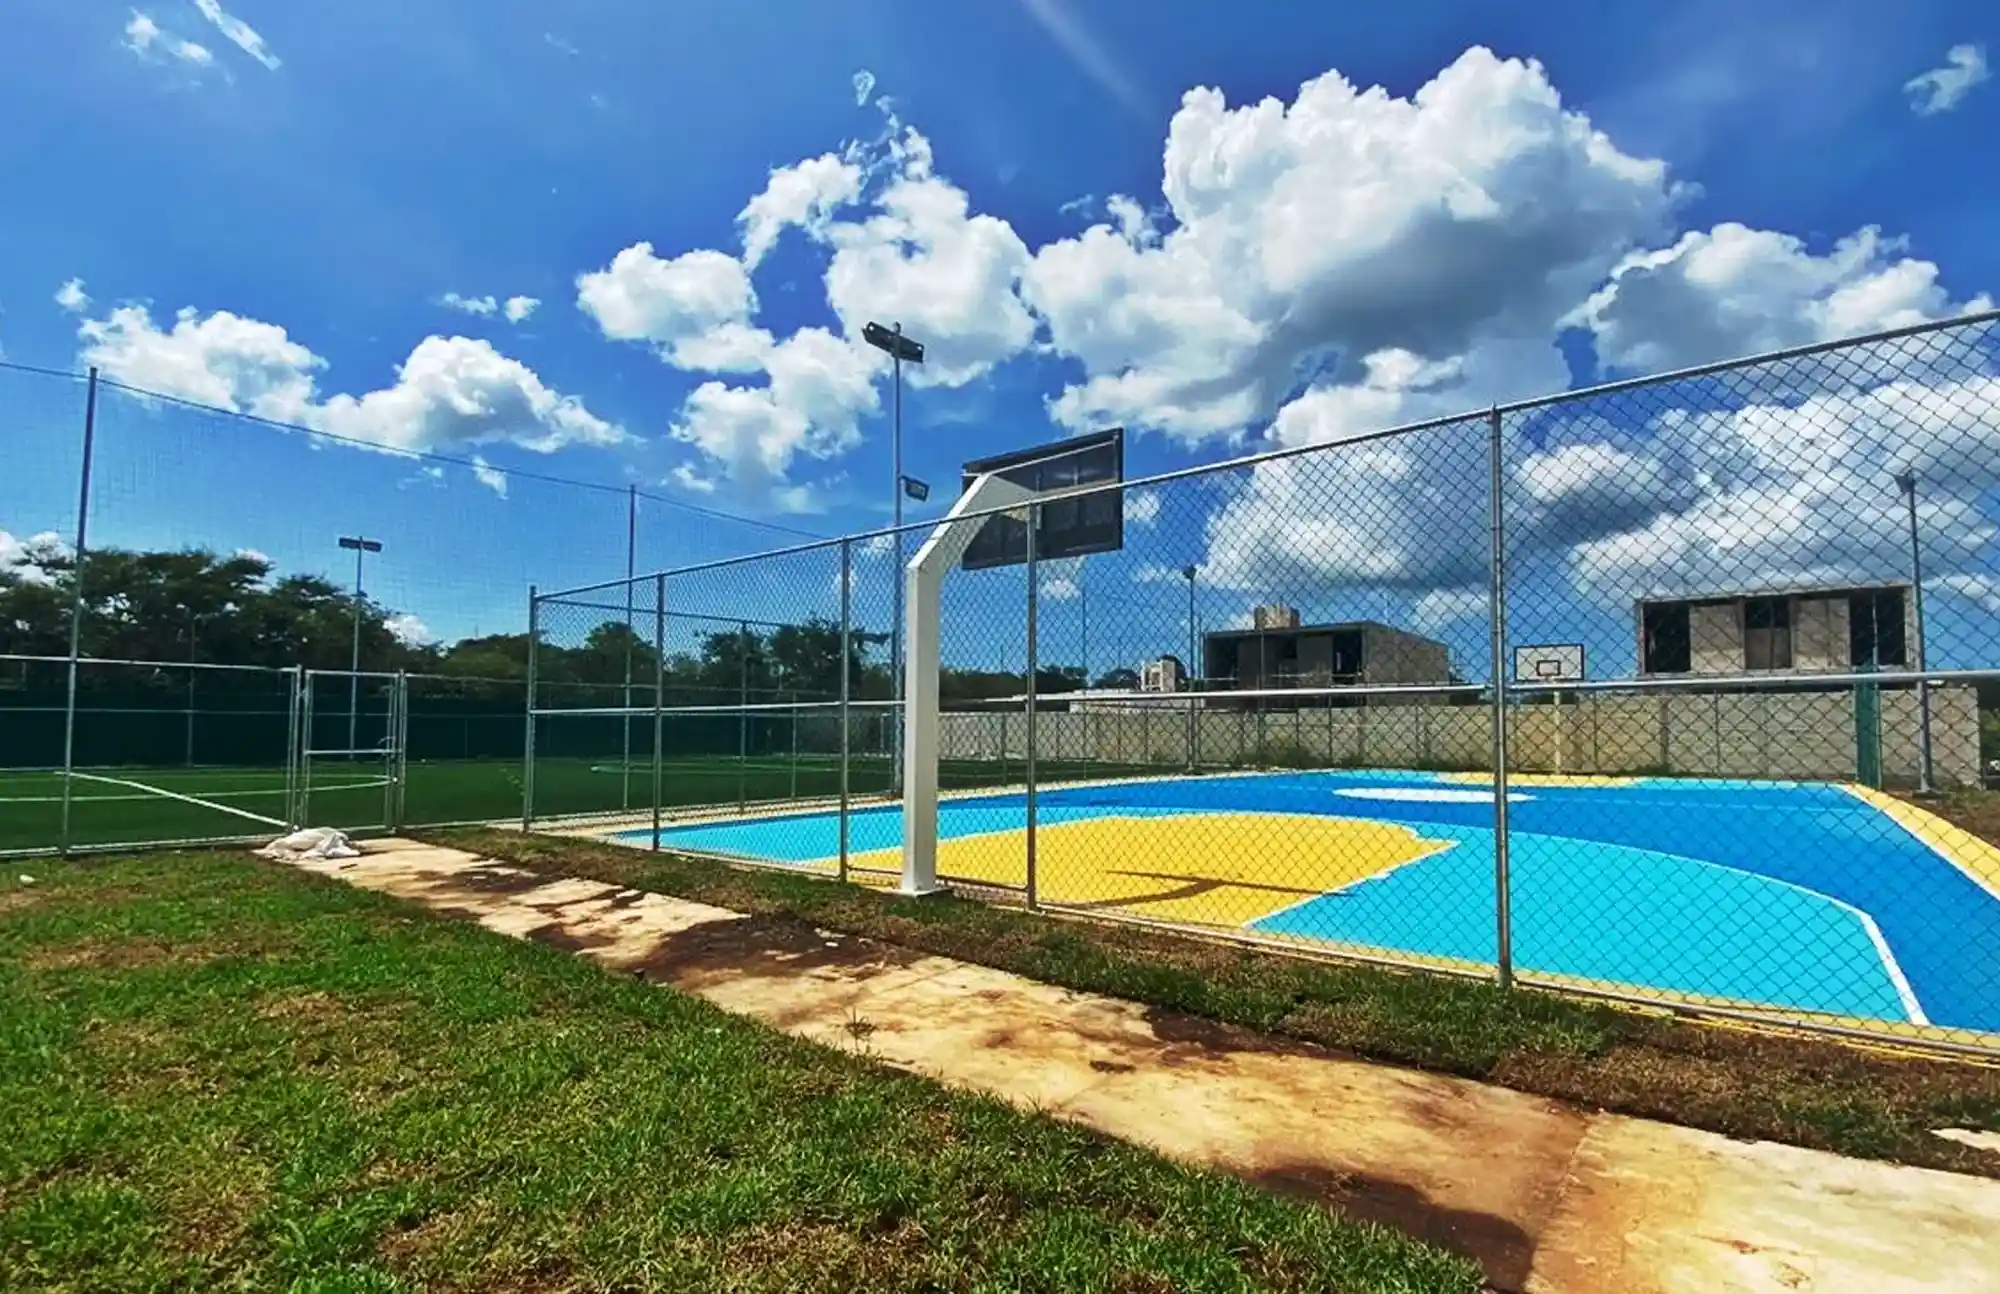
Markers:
<point>1548,1198</point>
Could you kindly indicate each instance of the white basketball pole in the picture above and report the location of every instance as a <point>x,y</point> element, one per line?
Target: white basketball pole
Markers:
<point>923,583</point>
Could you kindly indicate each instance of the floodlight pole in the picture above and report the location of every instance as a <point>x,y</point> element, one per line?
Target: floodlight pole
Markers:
<point>899,348</point>
<point>362,547</point>
<point>1907,481</point>
<point>896,614</point>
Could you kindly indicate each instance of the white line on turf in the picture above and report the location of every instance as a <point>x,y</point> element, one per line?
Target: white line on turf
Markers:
<point>154,793</point>
<point>185,799</point>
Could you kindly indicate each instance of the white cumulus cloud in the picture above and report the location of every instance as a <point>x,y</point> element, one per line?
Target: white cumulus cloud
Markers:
<point>1478,209</point>
<point>450,390</point>
<point>72,298</point>
<point>482,307</point>
<point>1733,290</point>
<point>926,260</point>
<point>695,308</point>
<point>1142,507</point>
<point>819,386</point>
<point>804,195</point>
<point>518,308</point>
<point>410,631</point>
<point>1942,88</point>
<point>20,558</point>
<point>864,85</point>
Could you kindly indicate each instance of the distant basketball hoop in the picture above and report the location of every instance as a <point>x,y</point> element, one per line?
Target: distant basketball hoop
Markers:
<point>1549,663</point>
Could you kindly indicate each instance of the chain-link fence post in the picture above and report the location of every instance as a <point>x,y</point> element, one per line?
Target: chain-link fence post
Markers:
<point>528,737</point>
<point>76,608</point>
<point>399,750</point>
<point>742,716</point>
<point>1496,606</point>
<point>1034,669</point>
<point>846,688</point>
<point>1193,665</point>
<point>1908,482</point>
<point>294,746</point>
<point>659,699</point>
<point>631,582</point>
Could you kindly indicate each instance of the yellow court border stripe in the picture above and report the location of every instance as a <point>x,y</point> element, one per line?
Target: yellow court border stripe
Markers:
<point>1542,779</point>
<point>1977,858</point>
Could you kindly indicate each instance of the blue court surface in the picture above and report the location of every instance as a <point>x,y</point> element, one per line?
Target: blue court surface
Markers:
<point>1800,897</point>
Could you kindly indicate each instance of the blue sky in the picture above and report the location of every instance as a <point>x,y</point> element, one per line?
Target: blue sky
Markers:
<point>702,208</point>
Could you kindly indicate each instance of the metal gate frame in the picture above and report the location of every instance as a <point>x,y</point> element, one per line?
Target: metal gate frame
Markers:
<point>392,750</point>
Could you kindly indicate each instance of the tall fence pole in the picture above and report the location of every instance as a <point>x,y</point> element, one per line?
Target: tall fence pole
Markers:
<point>1496,603</point>
<point>76,606</point>
<point>1908,481</point>
<point>1034,668</point>
<point>659,699</point>
<point>742,716</point>
<point>846,686</point>
<point>528,738</point>
<point>631,561</point>
<point>293,747</point>
<point>1188,671</point>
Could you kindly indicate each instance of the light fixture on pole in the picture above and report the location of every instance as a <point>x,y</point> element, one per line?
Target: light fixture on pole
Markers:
<point>361,547</point>
<point>899,348</point>
<point>1907,482</point>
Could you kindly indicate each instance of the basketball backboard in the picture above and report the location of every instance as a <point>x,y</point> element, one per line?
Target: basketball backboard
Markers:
<point>1094,523</point>
<point>1549,663</point>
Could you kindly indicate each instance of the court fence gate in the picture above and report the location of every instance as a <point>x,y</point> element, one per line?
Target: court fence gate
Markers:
<point>125,754</point>
<point>1679,691</point>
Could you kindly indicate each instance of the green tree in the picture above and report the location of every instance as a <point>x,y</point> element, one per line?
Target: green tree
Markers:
<point>192,605</point>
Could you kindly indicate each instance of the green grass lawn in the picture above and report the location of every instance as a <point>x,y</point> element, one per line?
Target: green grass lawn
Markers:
<point>220,1073</point>
<point>106,809</point>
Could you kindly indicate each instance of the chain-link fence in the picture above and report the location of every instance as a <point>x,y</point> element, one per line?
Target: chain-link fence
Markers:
<point>197,564</point>
<point>1679,690</point>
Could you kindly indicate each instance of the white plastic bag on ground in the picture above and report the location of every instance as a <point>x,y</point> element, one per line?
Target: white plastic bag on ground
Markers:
<point>313,842</point>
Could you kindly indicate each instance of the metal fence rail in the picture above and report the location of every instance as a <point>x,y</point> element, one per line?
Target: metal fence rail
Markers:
<point>1637,691</point>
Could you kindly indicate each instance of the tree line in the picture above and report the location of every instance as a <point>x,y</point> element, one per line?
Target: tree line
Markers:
<point>198,606</point>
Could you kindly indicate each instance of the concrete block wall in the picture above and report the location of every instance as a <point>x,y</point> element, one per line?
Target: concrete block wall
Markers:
<point>1806,736</point>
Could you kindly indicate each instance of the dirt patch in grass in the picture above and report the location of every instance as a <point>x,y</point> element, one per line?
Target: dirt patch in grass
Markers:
<point>116,955</point>
<point>18,898</point>
<point>1791,1088</point>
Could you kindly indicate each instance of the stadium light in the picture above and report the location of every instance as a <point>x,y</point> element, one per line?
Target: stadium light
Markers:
<point>361,548</point>
<point>898,348</point>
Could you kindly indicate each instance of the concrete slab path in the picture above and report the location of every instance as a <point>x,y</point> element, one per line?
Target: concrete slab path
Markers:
<point>1550,1199</point>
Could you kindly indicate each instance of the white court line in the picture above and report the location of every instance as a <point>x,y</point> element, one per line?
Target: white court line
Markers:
<point>185,799</point>
<point>155,793</point>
